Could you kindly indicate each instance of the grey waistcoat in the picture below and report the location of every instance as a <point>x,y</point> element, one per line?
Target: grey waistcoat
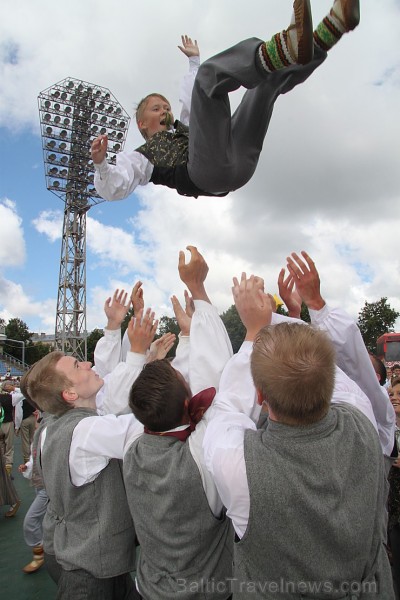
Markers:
<point>93,529</point>
<point>185,550</point>
<point>316,498</point>
<point>168,152</point>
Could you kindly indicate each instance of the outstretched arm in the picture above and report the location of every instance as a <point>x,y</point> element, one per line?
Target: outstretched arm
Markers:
<point>194,273</point>
<point>108,348</point>
<point>191,50</point>
<point>351,354</point>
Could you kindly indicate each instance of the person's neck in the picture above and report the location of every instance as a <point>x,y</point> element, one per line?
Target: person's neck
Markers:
<point>86,403</point>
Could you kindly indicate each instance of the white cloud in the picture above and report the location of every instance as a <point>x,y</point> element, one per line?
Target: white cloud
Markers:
<point>12,243</point>
<point>327,180</point>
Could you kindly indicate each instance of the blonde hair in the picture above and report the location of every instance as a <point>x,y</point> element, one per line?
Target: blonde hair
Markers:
<point>43,385</point>
<point>293,367</point>
<point>141,107</point>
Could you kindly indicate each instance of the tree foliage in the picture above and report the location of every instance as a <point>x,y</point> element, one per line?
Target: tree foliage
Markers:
<point>234,326</point>
<point>91,342</point>
<point>16,329</point>
<point>168,325</point>
<point>375,319</point>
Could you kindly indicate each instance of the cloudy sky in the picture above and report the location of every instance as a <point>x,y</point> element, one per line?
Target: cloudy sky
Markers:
<point>327,181</point>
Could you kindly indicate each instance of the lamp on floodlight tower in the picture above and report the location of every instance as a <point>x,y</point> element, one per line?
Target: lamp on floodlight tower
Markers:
<point>72,114</point>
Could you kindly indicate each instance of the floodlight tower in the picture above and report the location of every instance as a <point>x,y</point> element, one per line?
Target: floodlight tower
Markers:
<point>72,113</point>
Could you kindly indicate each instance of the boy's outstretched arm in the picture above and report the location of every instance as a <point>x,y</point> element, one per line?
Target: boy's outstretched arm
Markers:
<point>189,48</point>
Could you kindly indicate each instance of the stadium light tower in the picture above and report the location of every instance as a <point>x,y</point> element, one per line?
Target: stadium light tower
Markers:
<point>72,113</point>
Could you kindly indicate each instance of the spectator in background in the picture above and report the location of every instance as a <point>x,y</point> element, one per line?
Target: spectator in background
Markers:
<point>25,420</point>
<point>7,430</point>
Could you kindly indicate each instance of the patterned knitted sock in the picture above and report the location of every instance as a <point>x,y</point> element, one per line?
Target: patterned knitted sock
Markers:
<point>336,23</point>
<point>283,50</point>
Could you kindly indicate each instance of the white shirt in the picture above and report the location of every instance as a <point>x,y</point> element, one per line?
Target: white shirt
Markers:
<point>17,400</point>
<point>97,439</point>
<point>116,182</point>
<point>353,359</point>
<point>234,411</point>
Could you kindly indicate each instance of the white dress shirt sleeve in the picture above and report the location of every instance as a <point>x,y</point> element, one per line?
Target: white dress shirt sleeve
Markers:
<point>107,352</point>
<point>223,443</point>
<point>181,359</point>
<point>353,359</point>
<point>17,402</point>
<point>185,96</point>
<point>210,347</point>
<point>113,397</point>
<point>96,440</point>
<point>116,182</point>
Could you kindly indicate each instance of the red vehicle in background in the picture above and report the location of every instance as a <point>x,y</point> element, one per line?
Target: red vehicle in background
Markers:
<point>388,348</point>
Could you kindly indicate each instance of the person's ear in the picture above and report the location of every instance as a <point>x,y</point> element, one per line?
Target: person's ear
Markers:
<point>69,396</point>
<point>260,397</point>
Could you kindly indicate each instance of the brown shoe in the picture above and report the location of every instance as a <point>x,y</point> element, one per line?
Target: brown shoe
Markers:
<point>13,509</point>
<point>351,13</point>
<point>304,29</point>
<point>37,560</point>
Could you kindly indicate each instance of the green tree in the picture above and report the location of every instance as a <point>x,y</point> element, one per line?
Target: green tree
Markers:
<point>16,329</point>
<point>375,319</point>
<point>234,326</point>
<point>92,340</point>
<point>168,325</point>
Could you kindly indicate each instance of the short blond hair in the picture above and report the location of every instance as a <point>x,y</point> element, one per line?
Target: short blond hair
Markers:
<point>293,367</point>
<point>43,385</point>
<point>141,107</point>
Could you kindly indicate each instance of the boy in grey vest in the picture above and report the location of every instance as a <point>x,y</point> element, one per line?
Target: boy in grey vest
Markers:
<point>306,492</point>
<point>184,535</point>
<point>221,152</point>
<point>87,525</point>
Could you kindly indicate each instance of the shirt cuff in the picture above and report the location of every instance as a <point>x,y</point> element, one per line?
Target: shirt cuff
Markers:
<point>194,63</point>
<point>205,307</point>
<point>112,333</point>
<point>101,168</point>
<point>135,359</point>
<point>317,316</point>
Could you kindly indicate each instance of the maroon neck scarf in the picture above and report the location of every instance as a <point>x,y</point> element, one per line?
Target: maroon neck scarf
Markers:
<point>196,409</point>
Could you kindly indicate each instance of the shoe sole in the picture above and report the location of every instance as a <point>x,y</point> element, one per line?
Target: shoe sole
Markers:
<point>351,13</point>
<point>304,26</point>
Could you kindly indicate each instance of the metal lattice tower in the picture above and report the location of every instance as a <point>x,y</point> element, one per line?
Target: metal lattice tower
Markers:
<point>72,114</point>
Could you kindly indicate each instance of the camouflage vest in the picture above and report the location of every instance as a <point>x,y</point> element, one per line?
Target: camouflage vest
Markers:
<point>168,151</point>
<point>168,148</point>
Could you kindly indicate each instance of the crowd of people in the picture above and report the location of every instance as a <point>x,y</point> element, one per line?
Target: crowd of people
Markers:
<point>256,475</point>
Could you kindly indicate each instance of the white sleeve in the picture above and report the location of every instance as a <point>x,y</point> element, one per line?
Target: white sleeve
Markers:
<point>210,347</point>
<point>116,182</point>
<point>352,357</point>
<point>185,96</point>
<point>29,467</point>
<point>347,391</point>
<point>17,400</point>
<point>113,397</point>
<point>98,439</point>
<point>181,360</point>
<point>107,352</point>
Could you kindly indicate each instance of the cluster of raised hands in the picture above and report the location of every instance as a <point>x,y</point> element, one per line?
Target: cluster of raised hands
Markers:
<point>254,305</point>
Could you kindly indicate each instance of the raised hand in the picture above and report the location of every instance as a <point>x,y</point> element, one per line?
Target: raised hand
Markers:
<point>182,318</point>
<point>194,273</point>
<point>141,331</point>
<point>253,305</point>
<point>289,294</point>
<point>98,149</point>
<point>137,297</point>
<point>160,348</point>
<point>189,48</point>
<point>306,280</point>
<point>116,309</point>
<point>189,304</point>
